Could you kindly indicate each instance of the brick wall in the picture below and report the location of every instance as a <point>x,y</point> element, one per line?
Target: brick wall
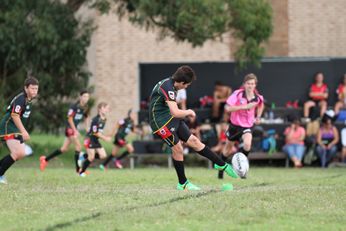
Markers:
<point>317,27</point>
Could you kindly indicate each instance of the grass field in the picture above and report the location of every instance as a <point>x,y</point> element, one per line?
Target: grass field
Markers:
<point>146,199</point>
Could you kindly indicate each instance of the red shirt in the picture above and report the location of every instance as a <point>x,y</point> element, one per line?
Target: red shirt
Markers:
<point>318,89</point>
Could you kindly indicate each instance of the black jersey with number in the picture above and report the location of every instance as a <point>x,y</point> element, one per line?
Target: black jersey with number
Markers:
<point>159,113</point>
<point>20,106</point>
<point>97,126</point>
<point>77,112</point>
<point>125,127</point>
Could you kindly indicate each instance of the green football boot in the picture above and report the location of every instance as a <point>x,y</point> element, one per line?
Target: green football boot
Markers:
<point>188,186</point>
<point>228,169</point>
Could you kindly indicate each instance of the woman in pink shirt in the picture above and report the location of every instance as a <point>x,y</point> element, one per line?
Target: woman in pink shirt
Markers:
<point>294,147</point>
<point>246,108</point>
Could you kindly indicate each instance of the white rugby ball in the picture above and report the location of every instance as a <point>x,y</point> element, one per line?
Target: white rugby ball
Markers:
<point>240,164</point>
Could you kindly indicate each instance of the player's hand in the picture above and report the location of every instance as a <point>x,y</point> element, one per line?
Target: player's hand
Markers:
<point>191,113</point>
<point>108,138</point>
<point>26,136</point>
<point>257,120</point>
<point>76,133</point>
<point>250,105</point>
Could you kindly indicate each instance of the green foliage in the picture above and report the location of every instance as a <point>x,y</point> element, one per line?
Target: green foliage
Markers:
<point>197,21</point>
<point>44,38</point>
<point>252,25</point>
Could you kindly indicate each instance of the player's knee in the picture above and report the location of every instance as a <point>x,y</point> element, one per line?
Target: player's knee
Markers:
<point>63,149</point>
<point>194,142</point>
<point>130,149</point>
<point>17,155</point>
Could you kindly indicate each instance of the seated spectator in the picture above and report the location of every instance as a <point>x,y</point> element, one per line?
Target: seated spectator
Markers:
<point>294,138</point>
<point>194,126</point>
<point>181,99</point>
<point>341,91</point>
<point>222,138</point>
<point>220,95</point>
<point>343,142</point>
<point>327,139</point>
<point>318,97</point>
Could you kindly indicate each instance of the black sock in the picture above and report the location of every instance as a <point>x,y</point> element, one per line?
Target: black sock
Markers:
<point>85,155</point>
<point>6,162</point>
<point>220,173</point>
<point>85,165</point>
<point>123,155</point>
<point>54,154</point>
<point>109,158</point>
<point>179,168</point>
<point>76,157</point>
<point>206,152</point>
<point>246,153</point>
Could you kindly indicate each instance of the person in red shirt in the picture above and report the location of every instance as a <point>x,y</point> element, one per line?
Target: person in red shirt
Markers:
<point>341,91</point>
<point>318,96</point>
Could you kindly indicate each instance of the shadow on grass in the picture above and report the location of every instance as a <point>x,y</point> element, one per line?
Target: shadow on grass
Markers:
<point>93,216</point>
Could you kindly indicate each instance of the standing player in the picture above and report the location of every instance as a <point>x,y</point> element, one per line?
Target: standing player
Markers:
<point>76,113</point>
<point>166,121</point>
<point>92,143</point>
<point>125,126</point>
<point>12,130</point>
<point>246,107</point>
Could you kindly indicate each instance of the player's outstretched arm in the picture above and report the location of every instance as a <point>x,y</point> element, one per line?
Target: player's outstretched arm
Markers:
<point>20,126</point>
<point>178,113</point>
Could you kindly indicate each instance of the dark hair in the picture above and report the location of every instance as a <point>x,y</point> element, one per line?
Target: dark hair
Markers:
<point>30,80</point>
<point>219,83</point>
<point>184,74</point>
<point>84,91</point>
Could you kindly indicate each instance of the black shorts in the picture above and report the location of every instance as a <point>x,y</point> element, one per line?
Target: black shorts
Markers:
<point>12,137</point>
<point>92,143</point>
<point>120,142</point>
<point>235,133</point>
<point>174,131</point>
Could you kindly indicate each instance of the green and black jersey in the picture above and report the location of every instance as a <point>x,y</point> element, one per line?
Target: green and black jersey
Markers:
<point>125,127</point>
<point>97,126</point>
<point>77,112</point>
<point>159,113</point>
<point>19,106</point>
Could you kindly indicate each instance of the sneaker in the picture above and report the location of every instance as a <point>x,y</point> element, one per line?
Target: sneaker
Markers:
<point>188,186</point>
<point>228,169</point>
<point>118,164</point>
<point>3,180</point>
<point>81,159</point>
<point>83,174</point>
<point>102,167</point>
<point>43,163</point>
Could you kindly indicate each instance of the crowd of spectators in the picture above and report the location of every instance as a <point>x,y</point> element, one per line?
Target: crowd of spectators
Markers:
<point>308,136</point>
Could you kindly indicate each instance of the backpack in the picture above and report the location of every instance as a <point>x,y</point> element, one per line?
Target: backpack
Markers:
<point>269,141</point>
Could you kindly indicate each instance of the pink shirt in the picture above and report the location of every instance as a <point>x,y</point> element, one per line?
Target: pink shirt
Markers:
<point>243,118</point>
<point>296,135</point>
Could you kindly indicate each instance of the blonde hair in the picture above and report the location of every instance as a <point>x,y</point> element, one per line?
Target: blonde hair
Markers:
<point>250,76</point>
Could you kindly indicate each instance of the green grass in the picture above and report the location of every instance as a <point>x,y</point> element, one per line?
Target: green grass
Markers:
<point>146,199</point>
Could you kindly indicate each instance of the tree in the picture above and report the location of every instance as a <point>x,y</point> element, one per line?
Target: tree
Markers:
<point>44,38</point>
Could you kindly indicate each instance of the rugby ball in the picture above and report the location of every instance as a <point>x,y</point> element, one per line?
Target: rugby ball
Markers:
<point>240,164</point>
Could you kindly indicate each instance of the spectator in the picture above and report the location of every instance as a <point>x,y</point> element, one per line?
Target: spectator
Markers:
<point>220,95</point>
<point>341,91</point>
<point>294,147</point>
<point>318,97</point>
<point>194,126</point>
<point>327,139</point>
<point>222,138</point>
<point>343,142</point>
<point>181,99</point>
